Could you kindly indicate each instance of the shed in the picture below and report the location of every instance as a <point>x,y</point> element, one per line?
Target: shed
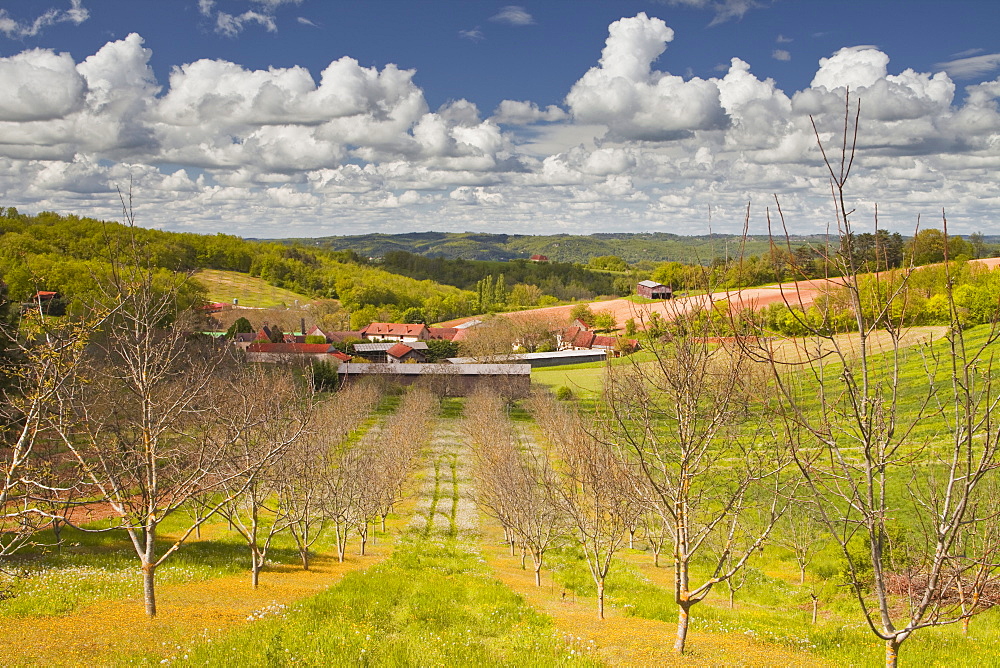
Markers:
<point>654,290</point>
<point>452,380</point>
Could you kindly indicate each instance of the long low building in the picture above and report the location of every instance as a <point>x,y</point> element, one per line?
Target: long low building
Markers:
<point>552,358</point>
<point>453,380</point>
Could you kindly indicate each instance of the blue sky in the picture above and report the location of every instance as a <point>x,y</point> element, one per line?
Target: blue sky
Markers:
<point>581,116</point>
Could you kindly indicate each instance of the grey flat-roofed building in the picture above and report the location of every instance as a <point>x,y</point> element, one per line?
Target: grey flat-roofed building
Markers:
<point>553,358</point>
<point>362,348</point>
<point>454,380</point>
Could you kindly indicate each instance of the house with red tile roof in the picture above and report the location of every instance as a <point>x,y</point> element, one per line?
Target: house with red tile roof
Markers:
<point>391,331</point>
<point>402,353</point>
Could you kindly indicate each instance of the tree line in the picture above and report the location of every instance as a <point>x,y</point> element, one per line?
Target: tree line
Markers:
<point>73,256</point>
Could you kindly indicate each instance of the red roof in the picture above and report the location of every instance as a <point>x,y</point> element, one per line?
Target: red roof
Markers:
<point>604,342</point>
<point>394,329</point>
<point>442,333</point>
<point>538,258</point>
<point>399,350</point>
<point>45,294</point>
<point>343,357</point>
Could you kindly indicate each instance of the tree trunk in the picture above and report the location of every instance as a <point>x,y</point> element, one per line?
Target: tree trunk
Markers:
<point>891,653</point>
<point>683,616</point>
<point>341,543</point>
<point>364,538</point>
<point>383,522</point>
<point>600,598</point>
<point>802,574</point>
<point>656,558</point>
<point>732,598</point>
<point>631,539</point>
<point>815,601</point>
<point>148,588</point>
<point>57,533</point>
<point>524,556</point>
<point>304,555</point>
<point>255,569</point>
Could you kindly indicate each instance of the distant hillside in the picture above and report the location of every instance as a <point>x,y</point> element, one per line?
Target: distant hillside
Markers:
<point>632,247</point>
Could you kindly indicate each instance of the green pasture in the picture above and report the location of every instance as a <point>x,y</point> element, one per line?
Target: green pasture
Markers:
<point>225,286</point>
<point>431,603</point>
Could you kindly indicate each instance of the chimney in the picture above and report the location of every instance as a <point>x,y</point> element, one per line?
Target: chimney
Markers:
<point>303,322</point>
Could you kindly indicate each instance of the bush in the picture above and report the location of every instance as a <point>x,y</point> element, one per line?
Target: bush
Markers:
<point>563,393</point>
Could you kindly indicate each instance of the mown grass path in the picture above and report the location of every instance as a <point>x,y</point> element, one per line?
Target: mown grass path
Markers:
<point>433,603</point>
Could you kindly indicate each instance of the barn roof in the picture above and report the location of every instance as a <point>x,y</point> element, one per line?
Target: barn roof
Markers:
<point>399,350</point>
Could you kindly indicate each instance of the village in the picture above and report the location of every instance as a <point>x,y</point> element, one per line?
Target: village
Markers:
<point>408,353</point>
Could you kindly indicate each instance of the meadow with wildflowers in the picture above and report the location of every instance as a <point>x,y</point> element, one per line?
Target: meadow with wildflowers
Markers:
<point>439,587</point>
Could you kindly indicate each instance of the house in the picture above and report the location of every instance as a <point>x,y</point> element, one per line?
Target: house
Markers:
<point>378,353</point>
<point>538,258</point>
<point>243,340</point>
<point>402,353</point>
<point>653,290</point>
<point>580,338</point>
<point>391,331</point>
<point>46,301</point>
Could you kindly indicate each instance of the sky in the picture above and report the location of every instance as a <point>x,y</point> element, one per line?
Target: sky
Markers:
<point>303,118</point>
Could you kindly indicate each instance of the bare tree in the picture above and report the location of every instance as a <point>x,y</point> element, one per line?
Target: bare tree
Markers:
<point>801,533</point>
<point>710,464</point>
<point>877,450</point>
<point>512,480</point>
<point>143,418</point>
<point>301,473</point>
<point>261,426</point>
<point>593,487</point>
<point>36,487</point>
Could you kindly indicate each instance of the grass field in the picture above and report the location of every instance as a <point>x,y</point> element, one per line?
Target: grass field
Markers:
<point>225,286</point>
<point>438,588</point>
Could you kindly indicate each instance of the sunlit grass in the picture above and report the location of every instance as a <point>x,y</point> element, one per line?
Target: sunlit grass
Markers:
<point>224,286</point>
<point>432,603</point>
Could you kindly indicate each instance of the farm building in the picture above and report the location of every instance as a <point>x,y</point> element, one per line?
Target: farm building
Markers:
<point>379,352</point>
<point>654,290</point>
<point>452,380</point>
<point>552,358</point>
<point>391,331</point>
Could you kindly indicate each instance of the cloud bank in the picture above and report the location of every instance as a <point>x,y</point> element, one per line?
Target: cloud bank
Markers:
<point>272,153</point>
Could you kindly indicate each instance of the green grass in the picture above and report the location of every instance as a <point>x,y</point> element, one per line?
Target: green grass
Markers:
<point>431,603</point>
<point>101,566</point>
<point>224,286</point>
